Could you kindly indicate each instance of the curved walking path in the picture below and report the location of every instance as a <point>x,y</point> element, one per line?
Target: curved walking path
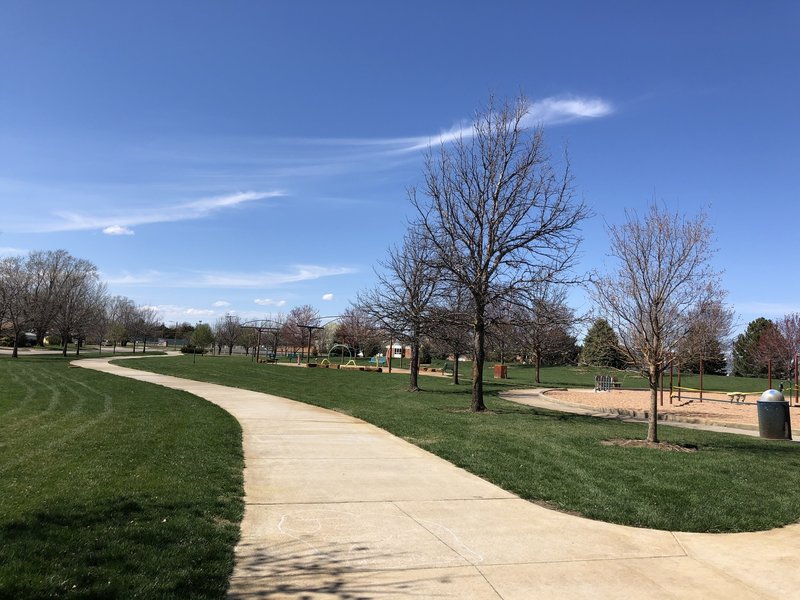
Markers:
<point>337,508</point>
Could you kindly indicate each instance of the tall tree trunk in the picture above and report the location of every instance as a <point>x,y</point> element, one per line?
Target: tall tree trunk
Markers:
<point>538,366</point>
<point>65,343</point>
<point>652,422</point>
<point>15,351</point>
<point>455,368</point>
<point>413,382</point>
<point>478,351</point>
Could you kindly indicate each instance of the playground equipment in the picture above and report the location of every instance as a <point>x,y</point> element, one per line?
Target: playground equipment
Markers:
<point>343,348</point>
<point>687,394</point>
<point>605,383</point>
<point>352,366</point>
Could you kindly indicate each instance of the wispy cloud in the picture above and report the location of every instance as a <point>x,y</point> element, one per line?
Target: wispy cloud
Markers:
<point>565,109</point>
<point>199,312</point>
<point>327,297</point>
<point>191,178</point>
<point>331,156</point>
<point>6,252</point>
<point>119,222</point>
<point>264,279</point>
<point>221,303</point>
<point>270,279</point>
<point>117,230</point>
<point>133,279</point>
<point>269,302</point>
<point>554,110</point>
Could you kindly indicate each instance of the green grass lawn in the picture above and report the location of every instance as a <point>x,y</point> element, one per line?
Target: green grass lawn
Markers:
<point>734,483</point>
<point>576,377</point>
<point>112,487</point>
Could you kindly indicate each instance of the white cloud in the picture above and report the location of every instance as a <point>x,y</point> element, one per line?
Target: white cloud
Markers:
<point>118,222</point>
<point>269,302</point>
<point>117,230</point>
<point>170,313</point>
<point>556,110</point>
<point>221,303</point>
<point>327,297</point>
<point>264,279</point>
<point>270,279</point>
<point>6,251</point>
<point>126,278</point>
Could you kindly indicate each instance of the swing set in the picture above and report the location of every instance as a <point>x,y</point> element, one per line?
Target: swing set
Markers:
<point>681,393</point>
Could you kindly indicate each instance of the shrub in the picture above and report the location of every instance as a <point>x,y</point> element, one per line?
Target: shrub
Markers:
<point>189,349</point>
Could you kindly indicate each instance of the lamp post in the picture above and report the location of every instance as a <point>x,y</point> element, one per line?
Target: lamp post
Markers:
<point>194,346</point>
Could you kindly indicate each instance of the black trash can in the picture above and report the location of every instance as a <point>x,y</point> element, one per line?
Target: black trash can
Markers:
<point>773,416</point>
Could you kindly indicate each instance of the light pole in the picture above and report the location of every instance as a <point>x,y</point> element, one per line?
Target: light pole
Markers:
<point>194,346</point>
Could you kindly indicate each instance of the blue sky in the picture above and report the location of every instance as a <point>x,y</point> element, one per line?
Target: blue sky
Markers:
<point>248,157</point>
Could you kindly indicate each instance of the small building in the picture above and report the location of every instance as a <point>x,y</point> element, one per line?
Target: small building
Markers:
<point>398,350</point>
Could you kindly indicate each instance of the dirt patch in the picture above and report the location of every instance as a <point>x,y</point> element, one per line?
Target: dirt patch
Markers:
<point>665,446</point>
<point>715,408</point>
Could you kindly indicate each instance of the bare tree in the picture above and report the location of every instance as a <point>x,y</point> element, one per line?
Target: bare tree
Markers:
<point>90,322</point>
<point>663,273</point>
<point>227,331</point>
<point>404,295</point>
<point>48,272</point>
<point>272,332</point>
<point>499,215</point>
<point>14,282</point>
<point>358,329</point>
<point>778,345</point>
<point>80,290</point>
<point>708,332</point>
<point>772,353</point>
<point>543,324</point>
<point>143,325</point>
<point>247,338</point>
<point>119,316</point>
<point>300,321</point>
<point>449,327</point>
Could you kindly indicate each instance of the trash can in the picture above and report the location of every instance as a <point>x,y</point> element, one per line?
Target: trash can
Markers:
<point>773,416</point>
<point>500,372</point>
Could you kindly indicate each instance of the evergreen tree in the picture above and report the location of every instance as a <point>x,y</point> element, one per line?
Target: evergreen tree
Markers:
<point>714,363</point>
<point>746,362</point>
<point>601,347</point>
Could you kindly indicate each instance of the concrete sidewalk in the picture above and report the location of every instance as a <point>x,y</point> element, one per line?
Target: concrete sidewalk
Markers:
<point>337,508</point>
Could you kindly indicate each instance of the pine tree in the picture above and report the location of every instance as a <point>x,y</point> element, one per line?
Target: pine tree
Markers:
<point>601,346</point>
<point>745,349</point>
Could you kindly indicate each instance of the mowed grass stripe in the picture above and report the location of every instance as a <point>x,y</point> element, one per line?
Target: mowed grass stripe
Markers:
<point>734,483</point>
<point>73,409</point>
<point>112,487</point>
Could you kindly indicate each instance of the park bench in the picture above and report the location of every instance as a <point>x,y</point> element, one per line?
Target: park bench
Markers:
<point>737,396</point>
